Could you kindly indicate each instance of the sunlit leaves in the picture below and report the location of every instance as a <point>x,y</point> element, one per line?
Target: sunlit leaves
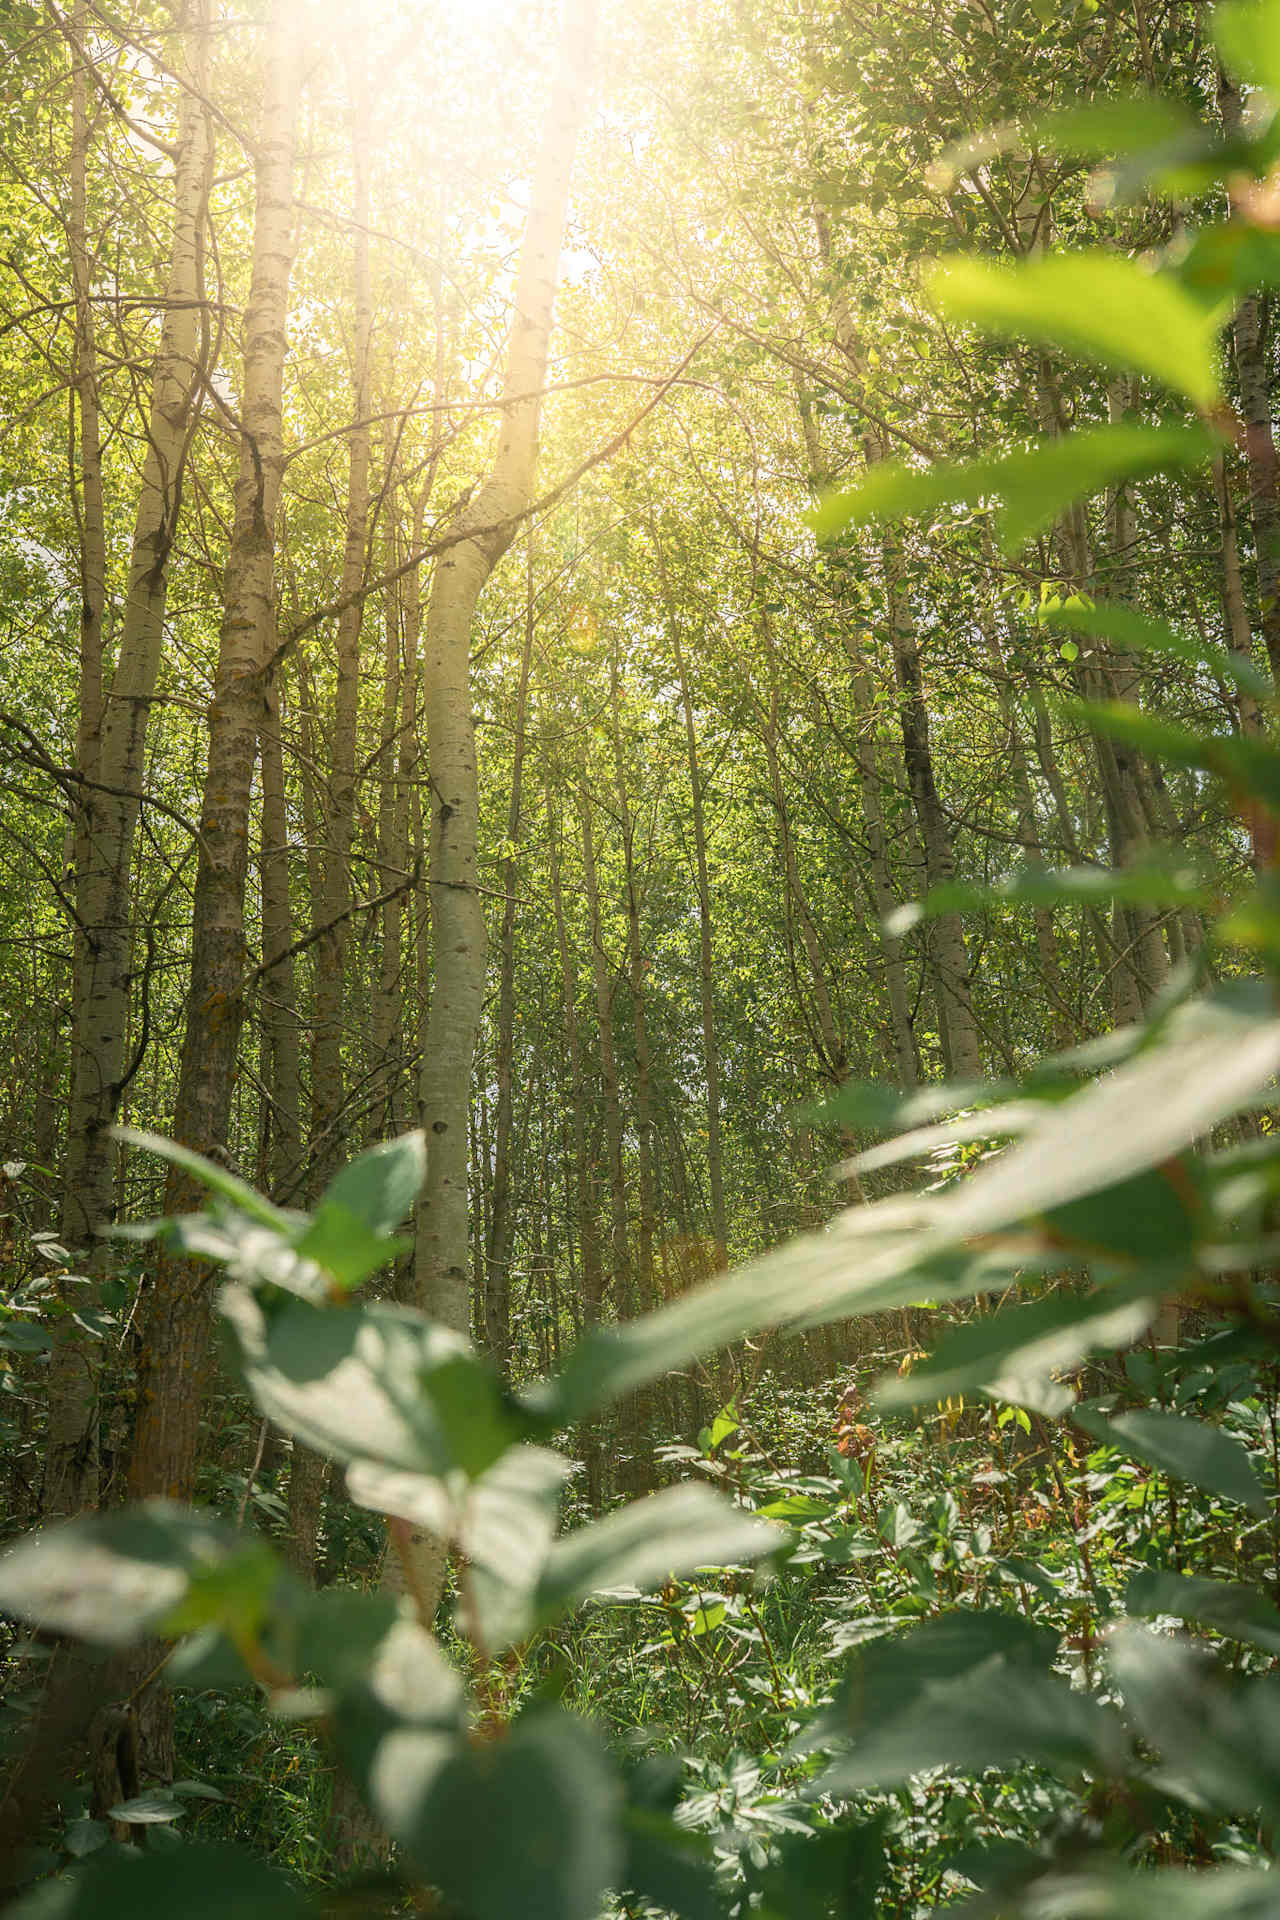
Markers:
<point>1189,1449</point>
<point>1247,36</point>
<point>1032,486</point>
<point>1097,304</point>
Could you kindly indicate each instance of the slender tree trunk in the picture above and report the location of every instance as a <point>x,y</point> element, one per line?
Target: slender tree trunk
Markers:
<point>501,1233</point>
<point>278,1013</point>
<point>871,782</point>
<point>902,1046</point>
<point>112,750</point>
<point>1239,634</point>
<point>621,1278</point>
<point>1063,1023</point>
<point>395,770</point>
<point>174,1310</point>
<point>328,1072</point>
<point>636,969</point>
<point>584,1186</point>
<point>706,963</point>
<point>961,1046</point>
<point>1260,446</point>
<point>480,533</point>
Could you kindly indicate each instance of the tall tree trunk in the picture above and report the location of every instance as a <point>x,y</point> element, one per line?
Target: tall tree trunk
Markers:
<point>115,742</point>
<point>174,1309</point>
<point>501,1232</point>
<point>583,1183</point>
<point>308,1471</point>
<point>1249,350</point>
<point>327,1070</point>
<point>871,782</point>
<point>394,772</point>
<point>902,1045</point>
<point>621,1278</point>
<point>962,1050</point>
<point>278,1013</point>
<point>478,535</point>
<point>706,962</point>
<point>827,1039</point>
<point>636,970</point>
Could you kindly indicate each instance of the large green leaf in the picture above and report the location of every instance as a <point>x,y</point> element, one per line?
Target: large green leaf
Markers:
<point>112,1578</point>
<point>199,1882</point>
<point>532,1816</point>
<point>1034,485</point>
<point>1239,1612</point>
<point>1247,36</point>
<point>503,1522</point>
<point>1165,1893</point>
<point>892,1674</point>
<point>833,1874</point>
<point>1209,1058</point>
<point>1170,878</point>
<point>1219,1744</point>
<point>375,1383</point>
<point>1138,633</point>
<point>1121,124</point>
<point>351,1232</point>
<point>1184,1447</point>
<point>641,1545</point>
<point>1002,1351</point>
<point>228,1186</point>
<point>1096,304</point>
<point>1000,1715</point>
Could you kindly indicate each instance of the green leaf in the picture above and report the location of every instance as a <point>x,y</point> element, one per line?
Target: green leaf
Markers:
<point>1003,1350</point>
<point>894,1673</point>
<point>1212,1054</point>
<point>669,1866</point>
<point>642,1545</point>
<point>227,1186</point>
<point>350,1232</point>
<point>1137,633</point>
<point>345,1248</point>
<point>1207,1060</point>
<point>1236,1611</point>
<point>1121,124</point>
<point>24,1336</point>
<point>112,1578</point>
<point>1247,36</point>
<point>380,1186</point>
<point>1165,1893</point>
<point>537,1809</point>
<point>1097,304</point>
<point>375,1383</point>
<point>1168,878</point>
<point>1000,1715</point>
<point>1150,1217</point>
<point>1188,1449</point>
<point>157,1807</point>
<point>85,1836</point>
<point>834,1874</point>
<point>504,1523</point>
<point>1034,485</point>
<point>1219,1745</point>
<point>1231,256</point>
<point>199,1883</point>
<point>338,1633</point>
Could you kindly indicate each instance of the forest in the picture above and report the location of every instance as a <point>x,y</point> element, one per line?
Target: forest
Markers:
<point>640,959</point>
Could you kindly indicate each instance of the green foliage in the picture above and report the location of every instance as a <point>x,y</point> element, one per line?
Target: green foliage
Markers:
<point>1147,1184</point>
